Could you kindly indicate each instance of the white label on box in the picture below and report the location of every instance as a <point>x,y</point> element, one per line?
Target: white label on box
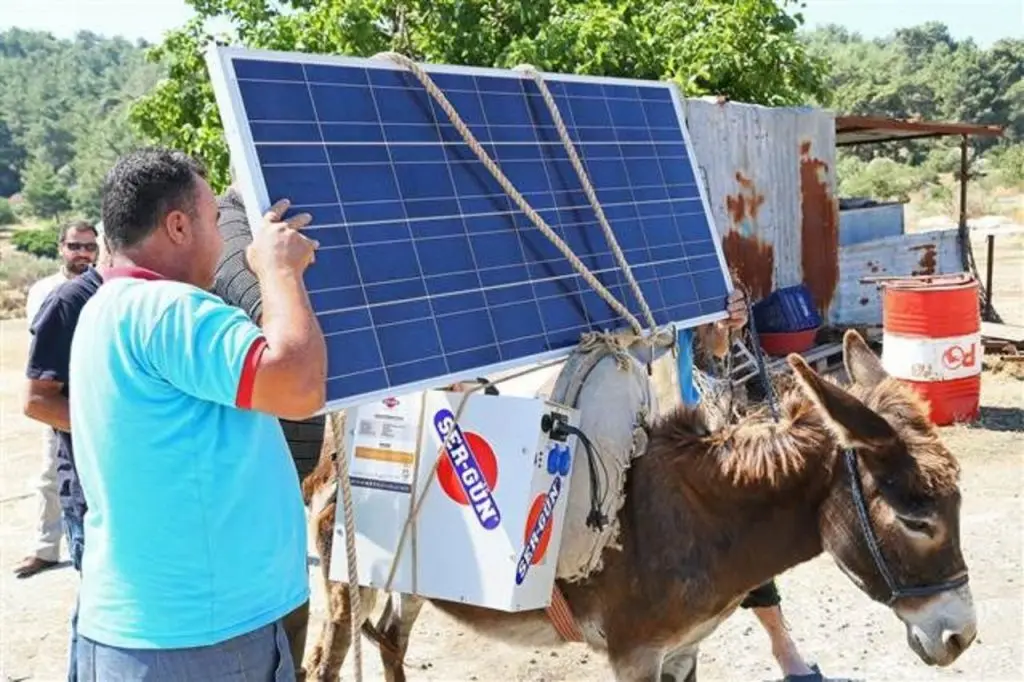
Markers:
<point>385,442</point>
<point>922,359</point>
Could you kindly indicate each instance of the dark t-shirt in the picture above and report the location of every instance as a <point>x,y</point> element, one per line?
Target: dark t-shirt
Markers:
<point>49,358</point>
<point>238,286</point>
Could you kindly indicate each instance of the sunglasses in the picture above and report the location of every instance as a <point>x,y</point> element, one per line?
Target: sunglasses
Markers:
<point>89,247</point>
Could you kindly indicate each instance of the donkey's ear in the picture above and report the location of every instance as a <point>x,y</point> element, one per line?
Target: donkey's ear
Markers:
<point>862,365</point>
<point>853,422</point>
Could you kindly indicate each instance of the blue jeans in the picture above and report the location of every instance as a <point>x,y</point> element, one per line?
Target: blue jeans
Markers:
<point>75,532</point>
<point>262,655</point>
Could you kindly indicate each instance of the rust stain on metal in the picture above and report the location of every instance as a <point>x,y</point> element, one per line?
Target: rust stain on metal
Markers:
<point>751,260</point>
<point>819,229</point>
<point>744,205</point>
<point>927,262</point>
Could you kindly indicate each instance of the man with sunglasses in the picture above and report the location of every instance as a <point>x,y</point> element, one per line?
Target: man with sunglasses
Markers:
<point>78,247</point>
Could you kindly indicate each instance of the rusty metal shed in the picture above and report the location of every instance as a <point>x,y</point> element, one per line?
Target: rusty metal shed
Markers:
<point>770,178</point>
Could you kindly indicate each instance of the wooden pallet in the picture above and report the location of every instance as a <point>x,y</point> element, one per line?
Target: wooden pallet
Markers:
<point>999,335</point>
<point>824,358</point>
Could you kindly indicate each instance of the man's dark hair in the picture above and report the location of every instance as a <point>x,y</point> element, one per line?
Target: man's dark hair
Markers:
<point>143,187</point>
<point>76,226</point>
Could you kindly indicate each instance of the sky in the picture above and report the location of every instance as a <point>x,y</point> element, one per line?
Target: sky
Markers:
<point>984,20</point>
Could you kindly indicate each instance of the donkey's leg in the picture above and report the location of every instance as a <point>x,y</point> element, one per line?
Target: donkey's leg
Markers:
<point>329,652</point>
<point>639,664</point>
<point>396,631</point>
<point>680,665</point>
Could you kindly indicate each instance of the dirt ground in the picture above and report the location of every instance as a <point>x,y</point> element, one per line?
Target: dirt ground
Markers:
<point>832,622</point>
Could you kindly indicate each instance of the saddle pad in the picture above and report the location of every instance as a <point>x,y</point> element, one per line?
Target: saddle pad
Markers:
<point>616,398</point>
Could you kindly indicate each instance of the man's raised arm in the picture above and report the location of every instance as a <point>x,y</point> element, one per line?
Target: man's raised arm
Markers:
<point>290,369</point>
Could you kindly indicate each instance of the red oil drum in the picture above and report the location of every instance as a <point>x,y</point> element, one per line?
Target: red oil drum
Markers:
<point>932,340</point>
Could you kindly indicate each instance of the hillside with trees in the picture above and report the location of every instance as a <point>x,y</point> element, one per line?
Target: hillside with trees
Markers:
<point>64,117</point>
<point>923,72</point>
<point>68,108</point>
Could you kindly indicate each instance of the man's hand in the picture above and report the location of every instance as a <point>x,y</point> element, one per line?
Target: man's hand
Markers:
<point>291,377</point>
<point>278,245</point>
<point>714,338</point>
<point>737,309</point>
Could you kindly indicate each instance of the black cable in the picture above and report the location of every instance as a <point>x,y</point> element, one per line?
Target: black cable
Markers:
<point>762,369</point>
<point>596,518</point>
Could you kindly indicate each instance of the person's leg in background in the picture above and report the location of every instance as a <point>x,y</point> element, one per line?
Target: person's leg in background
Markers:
<point>295,625</point>
<point>74,528</point>
<point>765,602</point>
<point>48,531</point>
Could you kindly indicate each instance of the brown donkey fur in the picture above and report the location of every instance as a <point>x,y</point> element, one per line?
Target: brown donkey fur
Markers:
<point>709,515</point>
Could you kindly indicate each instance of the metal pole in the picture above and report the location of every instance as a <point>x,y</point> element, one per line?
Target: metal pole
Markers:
<point>989,267</point>
<point>963,187</point>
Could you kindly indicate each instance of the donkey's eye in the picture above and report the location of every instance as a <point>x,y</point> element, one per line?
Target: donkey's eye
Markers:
<point>916,525</point>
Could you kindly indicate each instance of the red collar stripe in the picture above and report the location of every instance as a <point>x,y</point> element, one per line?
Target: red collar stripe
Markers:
<point>130,271</point>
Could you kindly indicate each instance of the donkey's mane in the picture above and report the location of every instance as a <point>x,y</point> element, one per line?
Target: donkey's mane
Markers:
<point>754,453</point>
<point>758,453</point>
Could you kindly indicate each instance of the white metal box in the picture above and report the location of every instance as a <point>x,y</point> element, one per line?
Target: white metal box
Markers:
<point>489,528</point>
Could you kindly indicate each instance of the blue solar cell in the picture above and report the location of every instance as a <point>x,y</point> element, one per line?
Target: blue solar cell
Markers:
<point>427,272</point>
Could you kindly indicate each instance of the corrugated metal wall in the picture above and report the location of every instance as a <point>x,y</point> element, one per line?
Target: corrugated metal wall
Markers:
<point>921,253</point>
<point>770,175</point>
<point>771,180</point>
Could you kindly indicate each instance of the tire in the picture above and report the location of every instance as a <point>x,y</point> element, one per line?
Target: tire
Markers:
<point>305,439</point>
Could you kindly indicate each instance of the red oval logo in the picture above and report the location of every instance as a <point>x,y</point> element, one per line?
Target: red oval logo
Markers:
<point>545,535</point>
<point>448,478</point>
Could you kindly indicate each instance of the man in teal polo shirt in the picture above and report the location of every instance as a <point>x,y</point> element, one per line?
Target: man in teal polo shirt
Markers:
<point>196,533</point>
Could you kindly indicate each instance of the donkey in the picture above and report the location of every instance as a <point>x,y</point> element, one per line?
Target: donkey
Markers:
<point>858,472</point>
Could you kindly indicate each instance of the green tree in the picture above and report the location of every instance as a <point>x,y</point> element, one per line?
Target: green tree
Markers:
<point>7,216</point>
<point>703,45</point>
<point>45,194</point>
<point>12,160</point>
<point>41,242</point>
<point>63,101</point>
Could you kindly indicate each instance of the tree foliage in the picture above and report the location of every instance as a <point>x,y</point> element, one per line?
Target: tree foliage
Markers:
<point>41,242</point>
<point>68,108</point>
<point>7,216</point>
<point>46,195</point>
<point>923,72</point>
<point>63,115</point>
<point>706,46</point>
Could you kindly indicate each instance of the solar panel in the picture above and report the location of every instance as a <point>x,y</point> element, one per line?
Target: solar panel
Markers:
<point>427,273</point>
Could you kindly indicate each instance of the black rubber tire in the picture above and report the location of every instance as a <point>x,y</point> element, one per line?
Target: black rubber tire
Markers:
<point>305,439</point>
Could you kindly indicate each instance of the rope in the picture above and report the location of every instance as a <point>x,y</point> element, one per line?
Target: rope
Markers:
<point>424,78</point>
<point>354,602</point>
<point>588,189</point>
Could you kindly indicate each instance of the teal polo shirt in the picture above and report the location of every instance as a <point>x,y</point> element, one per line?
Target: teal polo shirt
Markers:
<point>196,529</point>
